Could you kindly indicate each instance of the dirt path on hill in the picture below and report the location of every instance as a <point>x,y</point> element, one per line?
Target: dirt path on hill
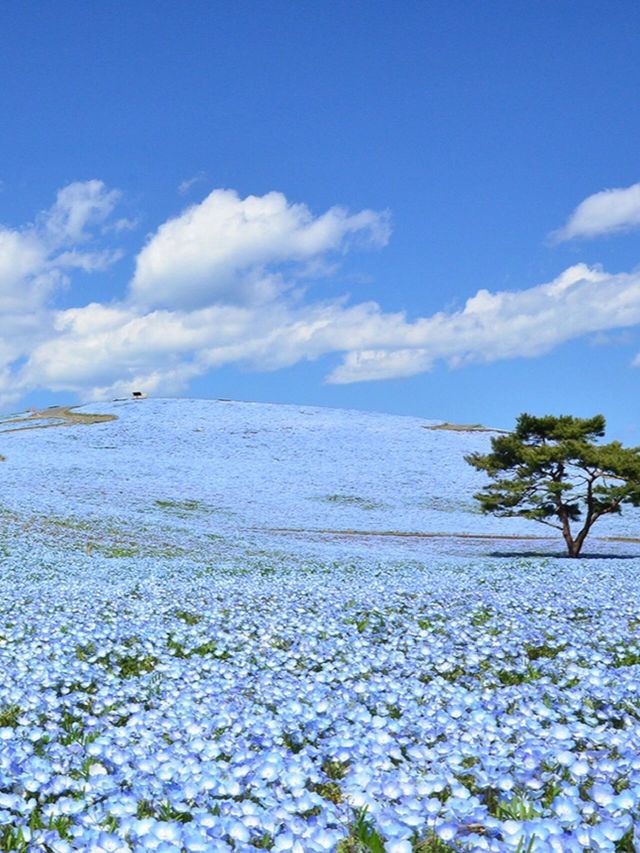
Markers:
<point>495,537</point>
<point>465,428</point>
<point>64,414</point>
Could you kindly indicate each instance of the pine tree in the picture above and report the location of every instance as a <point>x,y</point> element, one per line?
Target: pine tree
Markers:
<point>551,470</point>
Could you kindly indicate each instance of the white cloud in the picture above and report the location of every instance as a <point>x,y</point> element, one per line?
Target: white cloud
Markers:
<point>240,246</point>
<point>22,257</point>
<point>224,249</point>
<point>36,261</point>
<point>88,261</point>
<point>508,324</point>
<point>218,285</point>
<point>78,206</point>
<point>603,213</point>
<point>120,225</point>
<point>109,348</point>
<point>188,183</point>
<point>370,365</point>
<point>613,339</point>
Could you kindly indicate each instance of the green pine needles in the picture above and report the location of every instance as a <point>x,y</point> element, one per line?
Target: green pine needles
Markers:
<point>551,470</point>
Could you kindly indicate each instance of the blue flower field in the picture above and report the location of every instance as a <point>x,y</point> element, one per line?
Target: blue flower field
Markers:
<point>209,641</point>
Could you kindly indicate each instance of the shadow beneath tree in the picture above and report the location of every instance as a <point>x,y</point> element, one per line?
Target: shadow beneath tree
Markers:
<point>561,555</point>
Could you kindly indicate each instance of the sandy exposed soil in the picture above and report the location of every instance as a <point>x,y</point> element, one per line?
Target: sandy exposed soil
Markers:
<point>63,414</point>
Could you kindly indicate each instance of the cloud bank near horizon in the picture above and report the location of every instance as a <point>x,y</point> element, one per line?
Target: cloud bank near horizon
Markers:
<point>224,282</point>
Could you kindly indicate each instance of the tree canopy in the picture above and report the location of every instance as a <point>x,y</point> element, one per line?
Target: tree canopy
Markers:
<point>552,470</point>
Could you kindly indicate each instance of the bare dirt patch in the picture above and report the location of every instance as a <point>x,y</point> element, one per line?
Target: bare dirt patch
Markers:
<point>398,533</point>
<point>61,415</point>
<point>491,537</point>
<point>465,428</point>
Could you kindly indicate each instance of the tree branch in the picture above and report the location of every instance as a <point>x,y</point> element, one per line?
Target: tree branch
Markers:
<point>548,523</point>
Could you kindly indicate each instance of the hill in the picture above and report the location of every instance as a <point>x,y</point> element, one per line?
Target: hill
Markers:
<point>208,643</point>
<point>226,468</point>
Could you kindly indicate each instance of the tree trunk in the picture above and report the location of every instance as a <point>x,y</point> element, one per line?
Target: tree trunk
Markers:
<point>574,551</point>
<point>579,540</point>
<point>573,547</point>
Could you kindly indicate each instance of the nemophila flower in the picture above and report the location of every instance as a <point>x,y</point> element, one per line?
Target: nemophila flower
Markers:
<point>53,842</point>
<point>403,846</point>
<point>285,841</point>
<point>625,801</point>
<point>603,794</point>
<point>567,810</point>
<point>109,843</point>
<point>604,835</point>
<point>446,831</point>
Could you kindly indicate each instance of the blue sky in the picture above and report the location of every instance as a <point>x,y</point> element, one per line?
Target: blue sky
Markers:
<point>380,205</point>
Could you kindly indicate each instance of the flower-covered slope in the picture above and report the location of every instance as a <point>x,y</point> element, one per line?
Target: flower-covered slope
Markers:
<point>242,465</point>
<point>172,679</point>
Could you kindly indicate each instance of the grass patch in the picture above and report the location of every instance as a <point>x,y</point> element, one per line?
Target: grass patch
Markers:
<point>132,666</point>
<point>512,677</point>
<point>335,770</point>
<point>362,836</point>
<point>352,500</point>
<point>9,716</point>
<point>209,647</point>
<point>481,617</point>
<point>328,791</point>
<point>188,617</point>
<point>128,550</point>
<point>442,503</point>
<point>543,651</point>
<point>182,508</point>
<point>119,551</point>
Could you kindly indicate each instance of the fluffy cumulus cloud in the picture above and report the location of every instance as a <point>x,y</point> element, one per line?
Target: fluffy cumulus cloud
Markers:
<point>37,261</point>
<point>507,324</point>
<point>603,213</point>
<point>222,250</point>
<point>367,365</point>
<point>220,284</point>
